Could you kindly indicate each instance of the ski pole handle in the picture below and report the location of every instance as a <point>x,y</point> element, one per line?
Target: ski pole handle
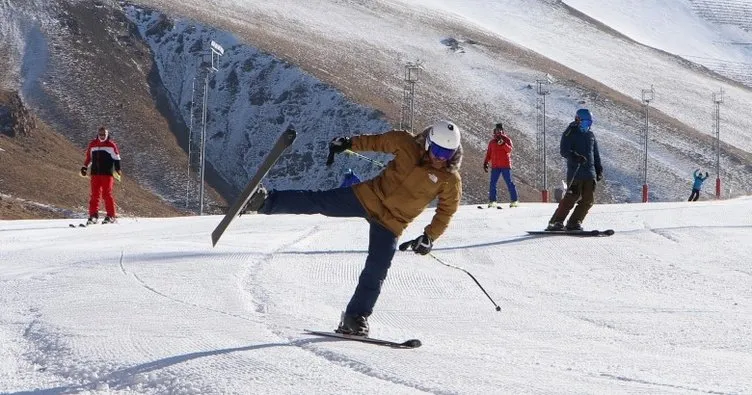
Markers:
<point>404,246</point>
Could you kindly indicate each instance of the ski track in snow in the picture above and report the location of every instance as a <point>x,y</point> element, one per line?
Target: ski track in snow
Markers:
<point>310,345</point>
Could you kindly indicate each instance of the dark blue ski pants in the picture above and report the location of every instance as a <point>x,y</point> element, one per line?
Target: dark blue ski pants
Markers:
<point>507,174</point>
<point>342,202</point>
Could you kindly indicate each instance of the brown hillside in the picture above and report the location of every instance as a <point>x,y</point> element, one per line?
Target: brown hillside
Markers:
<point>39,172</point>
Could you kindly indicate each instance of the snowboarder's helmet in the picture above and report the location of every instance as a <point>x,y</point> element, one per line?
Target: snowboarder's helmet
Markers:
<point>443,139</point>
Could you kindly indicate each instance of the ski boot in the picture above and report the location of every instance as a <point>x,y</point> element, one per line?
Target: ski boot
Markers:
<point>355,325</point>
<point>256,201</point>
<point>92,220</point>
<point>555,226</point>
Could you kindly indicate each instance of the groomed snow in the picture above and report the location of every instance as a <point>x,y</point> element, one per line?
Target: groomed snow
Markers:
<point>148,306</point>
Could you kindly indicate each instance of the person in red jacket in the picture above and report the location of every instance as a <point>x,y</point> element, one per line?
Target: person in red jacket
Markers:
<point>499,158</point>
<point>104,157</point>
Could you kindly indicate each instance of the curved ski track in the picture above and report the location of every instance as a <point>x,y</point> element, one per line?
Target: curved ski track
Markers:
<point>327,273</point>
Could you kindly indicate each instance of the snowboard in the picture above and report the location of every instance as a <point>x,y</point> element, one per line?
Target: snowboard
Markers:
<point>581,233</point>
<point>485,207</point>
<point>284,141</point>
<point>412,343</point>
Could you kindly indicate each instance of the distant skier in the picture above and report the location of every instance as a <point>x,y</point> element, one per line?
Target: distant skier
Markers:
<point>697,185</point>
<point>499,157</point>
<point>584,168</point>
<point>350,179</point>
<point>425,167</point>
<point>104,157</point>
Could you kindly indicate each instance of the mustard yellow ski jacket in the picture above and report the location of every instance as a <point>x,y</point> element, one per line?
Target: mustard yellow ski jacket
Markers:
<point>409,183</point>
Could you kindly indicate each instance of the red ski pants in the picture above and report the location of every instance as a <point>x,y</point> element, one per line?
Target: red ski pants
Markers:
<point>101,187</point>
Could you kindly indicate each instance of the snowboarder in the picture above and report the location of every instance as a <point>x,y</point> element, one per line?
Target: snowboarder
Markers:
<point>584,169</point>
<point>104,157</point>
<point>699,179</point>
<point>350,179</point>
<point>499,157</point>
<point>425,167</point>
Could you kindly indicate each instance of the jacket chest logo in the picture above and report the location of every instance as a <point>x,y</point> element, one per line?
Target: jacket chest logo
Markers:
<point>433,178</point>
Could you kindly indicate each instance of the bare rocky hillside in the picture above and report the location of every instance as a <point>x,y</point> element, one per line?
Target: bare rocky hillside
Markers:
<point>39,176</point>
<point>81,67</point>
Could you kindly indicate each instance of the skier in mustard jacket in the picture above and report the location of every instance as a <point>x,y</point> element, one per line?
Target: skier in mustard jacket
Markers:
<point>425,167</point>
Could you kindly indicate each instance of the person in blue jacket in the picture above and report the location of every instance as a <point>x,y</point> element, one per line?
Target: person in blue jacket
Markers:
<point>350,179</point>
<point>584,169</point>
<point>697,185</point>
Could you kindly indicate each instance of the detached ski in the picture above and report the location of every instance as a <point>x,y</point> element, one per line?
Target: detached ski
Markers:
<point>284,141</point>
<point>580,233</point>
<point>412,343</point>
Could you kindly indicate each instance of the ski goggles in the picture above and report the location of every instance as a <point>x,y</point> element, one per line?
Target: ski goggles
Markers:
<point>440,152</point>
<point>585,124</point>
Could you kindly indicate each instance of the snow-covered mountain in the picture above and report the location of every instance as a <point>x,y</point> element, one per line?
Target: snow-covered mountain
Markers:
<point>482,59</point>
<point>253,98</point>
<point>337,67</point>
<point>147,306</point>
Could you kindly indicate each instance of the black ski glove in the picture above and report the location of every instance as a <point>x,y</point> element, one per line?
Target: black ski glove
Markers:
<point>422,245</point>
<point>83,171</point>
<point>485,167</point>
<point>579,158</point>
<point>338,145</point>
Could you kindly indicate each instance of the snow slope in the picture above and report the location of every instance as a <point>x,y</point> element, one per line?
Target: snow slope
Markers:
<point>148,306</point>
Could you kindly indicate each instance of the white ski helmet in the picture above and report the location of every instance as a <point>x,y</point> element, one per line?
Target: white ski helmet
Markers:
<point>445,134</point>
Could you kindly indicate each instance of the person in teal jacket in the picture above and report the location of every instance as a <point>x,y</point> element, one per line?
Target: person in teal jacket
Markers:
<point>697,185</point>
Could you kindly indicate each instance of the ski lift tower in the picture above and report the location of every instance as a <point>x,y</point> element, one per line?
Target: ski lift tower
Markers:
<point>543,90</point>
<point>412,75</point>
<point>647,97</point>
<point>216,52</point>
<point>717,100</point>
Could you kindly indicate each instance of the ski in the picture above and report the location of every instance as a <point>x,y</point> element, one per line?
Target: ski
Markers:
<point>485,207</point>
<point>284,141</point>
<point>412,343</point>
<point>580,233</point>
<point>86,224</point>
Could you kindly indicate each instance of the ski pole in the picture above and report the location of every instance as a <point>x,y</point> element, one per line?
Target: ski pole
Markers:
<point>404,246</point>
<point>576,169</point>
<point>374,161</point>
